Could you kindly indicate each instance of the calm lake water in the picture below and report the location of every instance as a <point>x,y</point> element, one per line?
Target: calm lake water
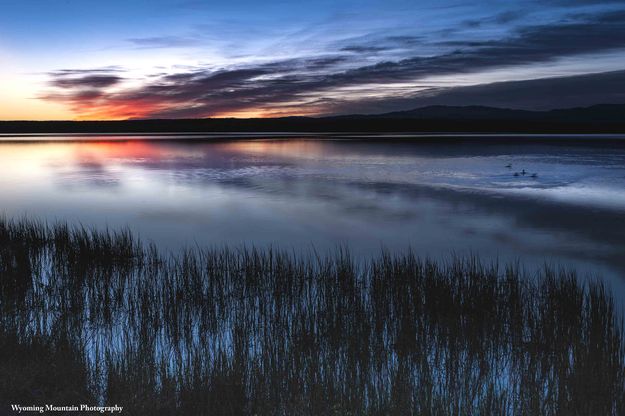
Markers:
<point>301,193</point>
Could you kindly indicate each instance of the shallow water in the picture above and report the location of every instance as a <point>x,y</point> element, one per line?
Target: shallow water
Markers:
<point>305,193</point>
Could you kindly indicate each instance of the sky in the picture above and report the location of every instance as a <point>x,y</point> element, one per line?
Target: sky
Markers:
<point>81,59</point>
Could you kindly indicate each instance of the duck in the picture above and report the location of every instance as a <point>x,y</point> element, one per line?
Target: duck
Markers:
<point>516,173</point>
<point>534,175</point>
<point>509,165</point>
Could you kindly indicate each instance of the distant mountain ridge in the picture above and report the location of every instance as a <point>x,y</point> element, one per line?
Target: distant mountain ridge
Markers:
<point>603,118</point>
<point>600,112</point>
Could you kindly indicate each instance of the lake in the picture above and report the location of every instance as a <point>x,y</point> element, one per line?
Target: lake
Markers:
<point>435,196</point>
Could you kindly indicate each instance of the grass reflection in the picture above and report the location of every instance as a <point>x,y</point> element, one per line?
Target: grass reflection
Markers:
<point>91,315</point>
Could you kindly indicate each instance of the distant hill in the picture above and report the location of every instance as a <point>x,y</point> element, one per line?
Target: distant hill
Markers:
<point>442,112</point>
<point>603,112</point>
<point>605,118</point>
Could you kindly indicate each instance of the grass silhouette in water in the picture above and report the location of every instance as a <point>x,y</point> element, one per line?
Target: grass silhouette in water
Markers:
<point>92,315</point>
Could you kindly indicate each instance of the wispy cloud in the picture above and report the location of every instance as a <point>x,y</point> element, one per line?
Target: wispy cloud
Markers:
<point>314,85</point>
<point>502,18</point>
<point>86,81</point>
<point>162,42</point>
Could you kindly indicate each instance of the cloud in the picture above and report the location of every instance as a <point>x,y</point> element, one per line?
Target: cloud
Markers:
<point>542,94</point>
<point>383,44</point>
<point>364,49</point>
<point>163,42</point>
<point>87,81</point>
<point>536,94</point>
<point>194,93</point>
<point>80,72</point>
<point>82,88</point>
<point>313,85</point>
<point>531,44</point>
<point>502,18</point>
<point>404,40</point>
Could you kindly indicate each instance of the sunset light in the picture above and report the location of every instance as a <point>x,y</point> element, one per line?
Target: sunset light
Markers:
<point>187,60</point>
<point>312,208</point>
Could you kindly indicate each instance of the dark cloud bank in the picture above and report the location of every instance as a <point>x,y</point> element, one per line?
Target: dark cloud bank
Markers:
<point>311,84</point>
<point>538,94</point>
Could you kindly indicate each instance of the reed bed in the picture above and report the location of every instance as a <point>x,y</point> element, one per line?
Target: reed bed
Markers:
<point>98,316</point>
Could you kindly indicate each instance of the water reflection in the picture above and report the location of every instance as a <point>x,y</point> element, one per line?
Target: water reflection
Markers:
<point>301,192</point>
<point>249,332</point>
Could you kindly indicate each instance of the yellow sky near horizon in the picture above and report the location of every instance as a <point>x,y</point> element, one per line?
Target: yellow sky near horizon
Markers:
<point>18,94</point>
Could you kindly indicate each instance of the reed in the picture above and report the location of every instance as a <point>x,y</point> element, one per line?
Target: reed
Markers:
<point>98,315</point>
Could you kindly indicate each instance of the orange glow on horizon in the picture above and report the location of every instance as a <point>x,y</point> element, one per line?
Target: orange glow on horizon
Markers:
<point>142,110</point>
<point>268,113</point>
<point>124,110</point>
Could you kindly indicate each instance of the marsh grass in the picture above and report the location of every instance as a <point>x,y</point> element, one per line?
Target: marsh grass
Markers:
<point>97,315</point>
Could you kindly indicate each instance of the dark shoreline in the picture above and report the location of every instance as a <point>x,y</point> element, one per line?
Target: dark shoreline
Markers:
<point>309,125</point>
